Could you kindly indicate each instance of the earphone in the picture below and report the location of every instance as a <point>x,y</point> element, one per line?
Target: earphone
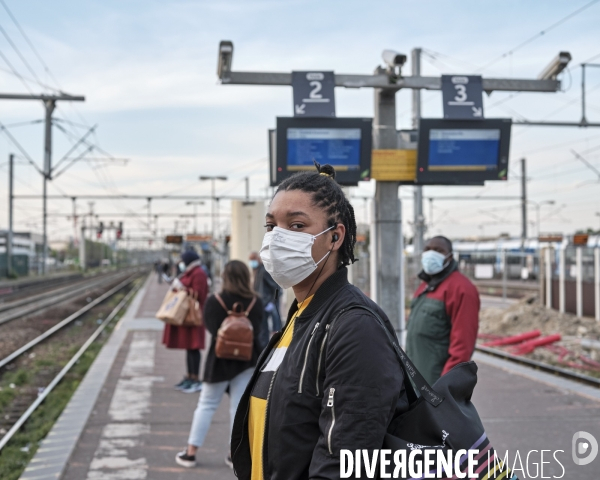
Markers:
<point>335,237</point>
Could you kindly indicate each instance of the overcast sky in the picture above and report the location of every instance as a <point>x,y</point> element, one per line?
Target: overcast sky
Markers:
<point>148,72</point>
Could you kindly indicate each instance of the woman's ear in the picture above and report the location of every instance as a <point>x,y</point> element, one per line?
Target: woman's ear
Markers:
<point>338,235</point>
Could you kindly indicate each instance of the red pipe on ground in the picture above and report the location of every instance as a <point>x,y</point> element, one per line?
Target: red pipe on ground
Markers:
<point>531,345</point>
<point>514,339</point>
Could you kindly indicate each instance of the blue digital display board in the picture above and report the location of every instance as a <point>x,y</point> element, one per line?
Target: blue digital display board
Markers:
<point>463,149</point>
<point>462,152</point>
<point>339,147</point>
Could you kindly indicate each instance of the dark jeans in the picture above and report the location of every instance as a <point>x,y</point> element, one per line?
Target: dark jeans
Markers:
<point>193,362</point>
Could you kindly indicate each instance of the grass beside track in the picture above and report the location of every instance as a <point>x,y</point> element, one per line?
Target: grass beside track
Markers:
<point>16,455</point>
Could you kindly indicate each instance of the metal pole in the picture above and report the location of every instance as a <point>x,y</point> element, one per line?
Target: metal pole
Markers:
<point>247,188</point>
<point>82,249</point>
<point>387,222</point>
<point>548,262</point>
<point>419,219</point>
<point>504,274</point>
<point>402,286</point>
<point>9,237</point>
<point>523,209</point>
<point>75,232</point>
<point>212,206</point>
<point>561,279</point>
<point>217,216</point>
<point>597,282</point>
<point>195,218</point>
<point>583,119</point>
<point>49,105</point>
<point>578,280</point>
<point>149,215</point>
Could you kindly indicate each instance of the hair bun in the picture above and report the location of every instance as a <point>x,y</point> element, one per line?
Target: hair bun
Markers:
<point>326,169</point>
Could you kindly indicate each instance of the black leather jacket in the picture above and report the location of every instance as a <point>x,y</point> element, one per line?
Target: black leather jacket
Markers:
<point>338,387</point>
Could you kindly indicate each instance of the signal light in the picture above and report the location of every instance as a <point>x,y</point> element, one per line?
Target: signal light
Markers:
<point>99,230</point>
<point>120,231</point>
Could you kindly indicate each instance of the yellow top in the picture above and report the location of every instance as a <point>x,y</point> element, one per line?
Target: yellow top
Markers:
<point>260,392</point>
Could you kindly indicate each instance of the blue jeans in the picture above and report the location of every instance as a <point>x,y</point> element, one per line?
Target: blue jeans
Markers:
<point>210,398</point>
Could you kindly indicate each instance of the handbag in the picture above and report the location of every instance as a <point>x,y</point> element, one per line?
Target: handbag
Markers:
<point>174,307</point>
<point>441,418</point>
<point>194,314</point>
<point>235,337</point>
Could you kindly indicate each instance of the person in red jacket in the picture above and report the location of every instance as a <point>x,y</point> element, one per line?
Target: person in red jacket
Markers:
<point>193,279</point>
<point>444,317</point>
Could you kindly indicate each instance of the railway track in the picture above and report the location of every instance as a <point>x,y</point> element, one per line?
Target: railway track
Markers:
<point>41,396</point>
<point>36,303</point>
<point>559,371</point>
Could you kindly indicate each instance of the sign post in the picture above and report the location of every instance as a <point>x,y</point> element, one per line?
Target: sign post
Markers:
<point>314,94</point>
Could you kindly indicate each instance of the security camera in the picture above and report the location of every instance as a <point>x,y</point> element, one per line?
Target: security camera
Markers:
<point>225,59</point>
<point>393,59</point>
<point>557,65</point>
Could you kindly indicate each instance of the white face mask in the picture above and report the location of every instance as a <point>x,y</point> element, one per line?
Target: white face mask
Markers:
<point>434,262</point>
<point>287,255</point>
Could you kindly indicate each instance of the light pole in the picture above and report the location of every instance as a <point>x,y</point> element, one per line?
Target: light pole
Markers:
<point>195,204</point>
<point>598,215</point>
<point>538,206</point>
<point>212,179</point>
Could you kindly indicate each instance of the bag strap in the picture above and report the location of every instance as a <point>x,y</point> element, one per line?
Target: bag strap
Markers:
<point>247,312</point>
<point>220,300</point>
<point>428,393</point>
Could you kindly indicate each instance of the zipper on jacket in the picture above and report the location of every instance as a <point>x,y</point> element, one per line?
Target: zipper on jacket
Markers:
<point>306,357</point>
<point>265,437</point>
<point>321,355</point>
<point>330,405</point>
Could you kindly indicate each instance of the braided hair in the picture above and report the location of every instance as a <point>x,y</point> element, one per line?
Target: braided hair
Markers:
<point>327,194</point>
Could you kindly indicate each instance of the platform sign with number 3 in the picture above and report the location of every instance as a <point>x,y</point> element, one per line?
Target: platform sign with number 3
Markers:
<point>314,94</point>
<point>463,97</point>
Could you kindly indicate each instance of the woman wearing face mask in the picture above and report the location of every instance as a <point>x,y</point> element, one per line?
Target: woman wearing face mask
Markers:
<point>194,280</point>
<point>222,374</point>
<point>330,380</point>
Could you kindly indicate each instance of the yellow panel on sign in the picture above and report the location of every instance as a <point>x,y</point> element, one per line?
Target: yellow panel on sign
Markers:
<point>394,165</point>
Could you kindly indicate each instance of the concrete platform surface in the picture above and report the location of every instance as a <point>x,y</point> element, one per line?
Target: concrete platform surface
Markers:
<point>136,422</point>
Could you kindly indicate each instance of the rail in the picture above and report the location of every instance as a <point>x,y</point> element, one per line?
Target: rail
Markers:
<point>38,401</point>
<point>561,372</point>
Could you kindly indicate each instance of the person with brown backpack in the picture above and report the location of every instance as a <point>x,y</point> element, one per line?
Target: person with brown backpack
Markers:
<point>233,317</point>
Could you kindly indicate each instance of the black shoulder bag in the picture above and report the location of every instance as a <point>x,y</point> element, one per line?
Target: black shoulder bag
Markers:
<point>441,418</point>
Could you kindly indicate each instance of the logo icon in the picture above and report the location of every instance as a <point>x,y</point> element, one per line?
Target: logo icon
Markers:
<point>585,448</point>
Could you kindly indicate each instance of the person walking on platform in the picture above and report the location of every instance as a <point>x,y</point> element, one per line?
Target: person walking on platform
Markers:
<point>268,290</point>
<point>220,374</point>
<point>331,380</point>
<point>444,317</point>
<point>193,279</point>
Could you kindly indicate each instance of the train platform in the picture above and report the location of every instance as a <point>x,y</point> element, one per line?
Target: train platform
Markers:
<point>127,422</point>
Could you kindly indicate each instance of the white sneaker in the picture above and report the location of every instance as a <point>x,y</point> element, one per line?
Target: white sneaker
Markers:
<point>193,387</point>
<point>185,460</point>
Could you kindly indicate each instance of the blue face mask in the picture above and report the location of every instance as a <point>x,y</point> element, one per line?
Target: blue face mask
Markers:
<point>253,264</point>
<point>433,262</point>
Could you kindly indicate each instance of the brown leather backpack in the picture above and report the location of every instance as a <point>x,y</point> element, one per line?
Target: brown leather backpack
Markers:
<point>235,337</point>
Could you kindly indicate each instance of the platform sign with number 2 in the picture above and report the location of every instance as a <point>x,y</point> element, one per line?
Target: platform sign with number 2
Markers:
<point>314,94</point>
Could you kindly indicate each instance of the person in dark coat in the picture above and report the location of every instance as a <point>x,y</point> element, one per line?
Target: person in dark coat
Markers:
<point>193,279</point>
<point>220,374</point>
<point>268,290</point>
